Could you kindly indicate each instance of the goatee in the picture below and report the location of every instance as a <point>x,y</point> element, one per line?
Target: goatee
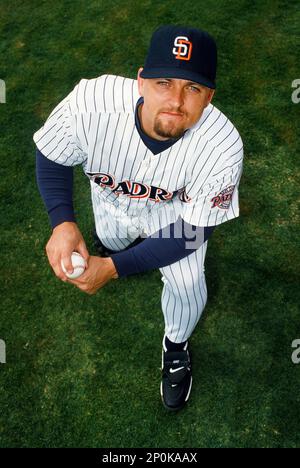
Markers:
<point>173,133</point>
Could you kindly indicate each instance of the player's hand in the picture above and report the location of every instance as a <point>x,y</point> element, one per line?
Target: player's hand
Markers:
<point>65,238</point>
<point>99,272</point>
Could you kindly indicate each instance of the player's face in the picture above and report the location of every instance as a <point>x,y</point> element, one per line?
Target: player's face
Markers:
<point>171,105</point>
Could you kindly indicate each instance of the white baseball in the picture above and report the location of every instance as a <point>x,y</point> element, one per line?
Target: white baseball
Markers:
<point>78,263</point>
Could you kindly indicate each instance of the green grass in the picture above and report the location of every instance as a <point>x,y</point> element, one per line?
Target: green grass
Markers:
<point>85,371</point>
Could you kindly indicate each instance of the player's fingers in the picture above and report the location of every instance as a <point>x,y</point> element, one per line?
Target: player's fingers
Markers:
<point>58,271</point>
<point>83,252</point>
<point>80,285</point>
<point>66,263</point>
<point>54,261</point>
<point>60,263</point>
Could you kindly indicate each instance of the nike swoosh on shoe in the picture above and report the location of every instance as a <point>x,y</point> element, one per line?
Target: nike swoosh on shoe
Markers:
<point>175,370</point>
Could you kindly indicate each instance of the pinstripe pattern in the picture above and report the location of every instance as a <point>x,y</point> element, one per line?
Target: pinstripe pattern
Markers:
<point>94,126</point>
<point>184,295</point>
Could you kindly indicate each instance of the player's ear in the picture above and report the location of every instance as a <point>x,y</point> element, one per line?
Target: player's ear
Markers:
<point>140,81</point>
<point>210,95</point>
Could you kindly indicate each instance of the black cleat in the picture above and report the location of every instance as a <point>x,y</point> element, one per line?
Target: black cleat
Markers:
<point>177,379</point>
<point>101,249</point>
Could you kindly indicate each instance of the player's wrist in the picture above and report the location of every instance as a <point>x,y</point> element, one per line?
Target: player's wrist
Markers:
<point>111,268</point>
<point>64,224</point>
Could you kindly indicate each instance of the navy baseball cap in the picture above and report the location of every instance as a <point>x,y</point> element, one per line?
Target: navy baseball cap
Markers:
<point>182,52</point>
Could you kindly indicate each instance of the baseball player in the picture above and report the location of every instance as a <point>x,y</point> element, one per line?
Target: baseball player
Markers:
<point>164,167</point>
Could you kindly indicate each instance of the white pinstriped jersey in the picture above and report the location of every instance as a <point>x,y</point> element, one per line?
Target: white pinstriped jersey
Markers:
<point>197,177</point>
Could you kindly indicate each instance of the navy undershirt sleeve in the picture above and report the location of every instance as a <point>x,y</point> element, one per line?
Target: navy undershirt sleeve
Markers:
<point>55,183</point>
<point>162,248</point>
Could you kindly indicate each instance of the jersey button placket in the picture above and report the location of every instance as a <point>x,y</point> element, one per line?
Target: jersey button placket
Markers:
<point>146,164</point>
